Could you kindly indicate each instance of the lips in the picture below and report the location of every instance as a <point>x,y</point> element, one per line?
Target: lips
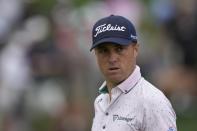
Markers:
<point>113,71</point>
<point>113,68</point>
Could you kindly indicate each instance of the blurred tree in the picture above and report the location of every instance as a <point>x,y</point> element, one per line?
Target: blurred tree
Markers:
<point>79,3</point>
<point>42,6</point>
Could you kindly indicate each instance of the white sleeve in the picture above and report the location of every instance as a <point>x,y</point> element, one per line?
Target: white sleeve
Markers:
<point>159,116</point>
<point>96,110</point>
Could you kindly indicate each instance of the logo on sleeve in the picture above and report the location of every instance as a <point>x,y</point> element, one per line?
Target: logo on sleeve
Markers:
<point>171,129</point>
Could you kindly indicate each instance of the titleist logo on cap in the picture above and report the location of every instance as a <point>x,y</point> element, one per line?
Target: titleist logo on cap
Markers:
<point>108,27</point>
<point>113,29</point>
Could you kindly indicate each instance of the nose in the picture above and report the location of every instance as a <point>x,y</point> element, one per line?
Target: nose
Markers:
<point>113,57</point>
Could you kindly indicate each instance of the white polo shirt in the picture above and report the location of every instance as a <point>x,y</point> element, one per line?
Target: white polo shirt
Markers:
<point>136,105</point>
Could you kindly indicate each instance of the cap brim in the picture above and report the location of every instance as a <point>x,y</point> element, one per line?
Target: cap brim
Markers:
<point>119,41</point>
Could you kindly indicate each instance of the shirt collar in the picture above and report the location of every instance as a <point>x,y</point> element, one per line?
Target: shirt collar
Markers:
<point>126,85</point>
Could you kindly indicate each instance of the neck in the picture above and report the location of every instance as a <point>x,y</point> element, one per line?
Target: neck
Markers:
<point>110,86</point>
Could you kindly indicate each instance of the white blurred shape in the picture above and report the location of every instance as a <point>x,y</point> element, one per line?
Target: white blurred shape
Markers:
<point>37,27</point>
<point>15,71</point>
<point>50,98</point>
<point>11,11</point>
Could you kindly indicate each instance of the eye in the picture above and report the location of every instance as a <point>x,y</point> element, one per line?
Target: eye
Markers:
<point>102,50</point>
<point>119,49</point>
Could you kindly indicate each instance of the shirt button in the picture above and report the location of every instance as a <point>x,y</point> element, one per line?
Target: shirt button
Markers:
<point>104,127</point>
<point>106,113</point>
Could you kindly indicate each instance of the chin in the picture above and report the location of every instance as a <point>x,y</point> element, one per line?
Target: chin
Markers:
<point>116,80</point>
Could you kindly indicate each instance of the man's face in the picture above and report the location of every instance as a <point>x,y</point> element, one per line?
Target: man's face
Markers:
<point>116,62</point>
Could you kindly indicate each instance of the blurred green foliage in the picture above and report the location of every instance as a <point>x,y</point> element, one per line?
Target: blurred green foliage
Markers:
<point>42,6</point>
<point>186,124</point>
<point>79,3</point>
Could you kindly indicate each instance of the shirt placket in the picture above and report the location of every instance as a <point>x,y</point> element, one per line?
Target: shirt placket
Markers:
<point>116,93</point>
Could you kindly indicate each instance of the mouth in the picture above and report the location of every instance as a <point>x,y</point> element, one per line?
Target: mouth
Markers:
<point>113,68</point>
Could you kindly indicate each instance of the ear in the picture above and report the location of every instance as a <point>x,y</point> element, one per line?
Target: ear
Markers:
<point>136,49</point>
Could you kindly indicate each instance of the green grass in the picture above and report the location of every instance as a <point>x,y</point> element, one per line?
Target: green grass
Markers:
<point>186,123</point>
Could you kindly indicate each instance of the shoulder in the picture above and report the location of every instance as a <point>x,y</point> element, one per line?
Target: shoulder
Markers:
<point>152,93</point>
<point>156,107</point>
<point>99,98</point>
<point>154,100</point>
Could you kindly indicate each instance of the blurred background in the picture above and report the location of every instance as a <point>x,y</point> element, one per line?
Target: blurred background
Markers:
<point>49,78</point>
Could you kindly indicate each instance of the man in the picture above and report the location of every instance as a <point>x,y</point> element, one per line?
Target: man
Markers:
<point>127,101</point>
